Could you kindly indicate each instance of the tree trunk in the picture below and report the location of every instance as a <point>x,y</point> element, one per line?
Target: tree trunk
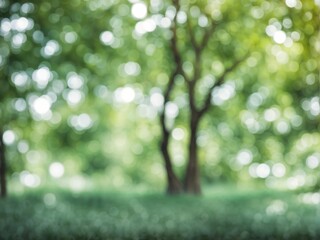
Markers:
<point>191,180</point>
<point>3,183</point>
<point>173,183</point>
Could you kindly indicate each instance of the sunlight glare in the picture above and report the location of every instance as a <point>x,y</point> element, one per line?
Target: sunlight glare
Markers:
<point>51,48</point>
<point>255,100</point>
<point>124,94</point>
<point>315,106</point>
<point>84,121</point>
<point>165,22</point>
<point>42,76</point>
<point>81,122</point>
<point>312,161</point>
<point>30,180</point>
<point>22,24</point>
<point>23,146</point>
<point>181,17</point>
<point>223,93</point>
<point>42,105</point>
<point>56,169</point>
<point>295,182</point>
<point>171,110</point>
<point>283,127</point>
<point>156,100</point>
<point>244,157</point>
<point>139,10</point>
<point>18,39</point>
<point>70,37</point>
<point>74,97</point>
<point>132,68</point>
<point>279,37</point>
<point>20,104</point>
<point>278,170</point>
<point>19,78</point>
<point>5,26</point>
<point>107,38</point>
<point>145,26</point>
<point>178,134</point>
<point>74,81</point>
<point>263,170</point>
<point>291,3</point>
<point>9,137</point>
<point>271,114</point>
<point>203,21</point>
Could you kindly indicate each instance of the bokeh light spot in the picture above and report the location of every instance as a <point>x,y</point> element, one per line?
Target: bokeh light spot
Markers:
<point>157,100</point>
<point>56,169</point>
<point>279,37</point>
<point>312,161</point>
<point>171,110</point>
<point>262,170</point>
<point>42,76</point>
<point>244,157</point>
<point>139,10</point>
<point>125,94</point>
<point>30,180</point>
<point>278,170</point>
<point>42,105</point>
<point>107,38</point>
<point>291,3</point>
<point>9,137</point>
<point>178,134</point>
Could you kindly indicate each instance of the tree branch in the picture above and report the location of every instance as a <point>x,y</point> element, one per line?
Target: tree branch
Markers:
<point>207,102</point>
<point>205,39</point>
<point>198,50</point>
<point>208,33</point>
<point>193,40</point>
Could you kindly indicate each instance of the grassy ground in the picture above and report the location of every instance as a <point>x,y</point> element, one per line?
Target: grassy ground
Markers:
<point>224,214</point>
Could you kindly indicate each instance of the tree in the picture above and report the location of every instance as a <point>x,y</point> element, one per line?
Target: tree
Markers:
<point>191,52</point>
<point>191,181</point>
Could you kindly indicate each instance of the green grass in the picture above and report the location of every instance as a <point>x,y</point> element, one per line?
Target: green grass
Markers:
<point>220,214</point>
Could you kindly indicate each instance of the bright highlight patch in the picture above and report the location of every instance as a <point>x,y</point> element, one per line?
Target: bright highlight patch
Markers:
<point>244,157</point>
<point>139,10</point>
<point>9,137</point>
<point>279,37</point>
<point>42,105</point>
<point>107,38</point>
<point>56,170</point>
<point>156,100</point>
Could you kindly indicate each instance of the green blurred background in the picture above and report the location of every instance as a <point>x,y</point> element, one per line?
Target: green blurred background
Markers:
<point>81,85</point>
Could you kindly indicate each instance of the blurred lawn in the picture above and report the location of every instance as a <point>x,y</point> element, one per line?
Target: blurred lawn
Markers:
<point>224,213</point>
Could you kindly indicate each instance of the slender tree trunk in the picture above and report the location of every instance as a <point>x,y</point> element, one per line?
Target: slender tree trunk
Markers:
<point>173,183</point>
<point>3,183</point>
<point>191,180</point>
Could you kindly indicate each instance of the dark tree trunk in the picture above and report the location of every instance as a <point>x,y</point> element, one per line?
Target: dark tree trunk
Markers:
<point>3,183</point>
<point>173,183</point>
<point>191,180</point>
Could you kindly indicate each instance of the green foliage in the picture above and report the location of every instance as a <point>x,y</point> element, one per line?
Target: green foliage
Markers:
<point>268,109</point>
